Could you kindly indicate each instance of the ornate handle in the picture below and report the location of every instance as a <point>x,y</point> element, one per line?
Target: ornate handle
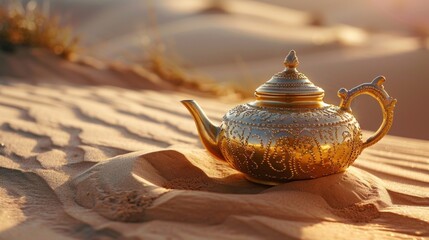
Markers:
<point>376,90</point>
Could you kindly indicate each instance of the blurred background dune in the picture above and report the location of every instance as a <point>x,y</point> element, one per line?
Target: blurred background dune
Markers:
<point>242,43</point>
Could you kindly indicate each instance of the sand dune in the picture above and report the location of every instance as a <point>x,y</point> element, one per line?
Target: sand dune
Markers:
<point>103,21</point>
<point>186,30</point>
<point>41,66</point>
<point>384,15</point>
<point>244,39</point>
<point>196,37</point>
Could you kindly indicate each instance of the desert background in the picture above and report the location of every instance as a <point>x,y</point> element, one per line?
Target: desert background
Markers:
<point>94,143</point>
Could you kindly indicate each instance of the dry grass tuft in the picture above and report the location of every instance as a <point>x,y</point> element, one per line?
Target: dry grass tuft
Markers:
<point>172,72</point>
<point>216,7</point>
<point>169,70</point>
<point>422,33</point>
<point>28,27</point>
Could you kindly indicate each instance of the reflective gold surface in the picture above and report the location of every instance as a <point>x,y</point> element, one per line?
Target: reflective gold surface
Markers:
<point>288,132</point>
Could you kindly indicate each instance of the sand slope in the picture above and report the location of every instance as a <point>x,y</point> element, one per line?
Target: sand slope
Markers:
<point>51,186</point>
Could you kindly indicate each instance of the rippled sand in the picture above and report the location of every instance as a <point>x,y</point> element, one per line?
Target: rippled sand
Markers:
<point>100,161</point>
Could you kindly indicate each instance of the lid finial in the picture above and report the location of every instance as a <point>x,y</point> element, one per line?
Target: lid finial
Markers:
<point>291,60</point>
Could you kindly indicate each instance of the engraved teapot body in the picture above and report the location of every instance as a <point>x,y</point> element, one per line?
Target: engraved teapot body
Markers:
<point>288,132</point>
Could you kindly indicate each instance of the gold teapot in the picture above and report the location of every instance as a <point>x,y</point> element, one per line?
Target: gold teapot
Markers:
<point>288,132</point>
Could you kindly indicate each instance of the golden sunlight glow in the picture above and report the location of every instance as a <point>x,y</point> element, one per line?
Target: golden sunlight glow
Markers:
<point>351,36</point>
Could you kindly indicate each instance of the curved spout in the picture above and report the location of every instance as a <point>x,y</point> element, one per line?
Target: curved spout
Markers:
<point>208,132</point>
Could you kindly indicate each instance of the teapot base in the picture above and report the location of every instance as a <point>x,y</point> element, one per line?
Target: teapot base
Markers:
<point>263,182</point>
<point>275,183</point>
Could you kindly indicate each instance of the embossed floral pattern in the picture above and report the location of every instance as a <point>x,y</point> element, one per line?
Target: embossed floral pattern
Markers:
<point>280,144</point>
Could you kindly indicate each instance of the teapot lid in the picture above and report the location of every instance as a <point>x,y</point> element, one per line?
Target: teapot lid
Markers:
<point>290,86</point>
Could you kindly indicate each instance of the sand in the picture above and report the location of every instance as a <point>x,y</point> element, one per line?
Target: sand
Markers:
<point>92,160</point>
